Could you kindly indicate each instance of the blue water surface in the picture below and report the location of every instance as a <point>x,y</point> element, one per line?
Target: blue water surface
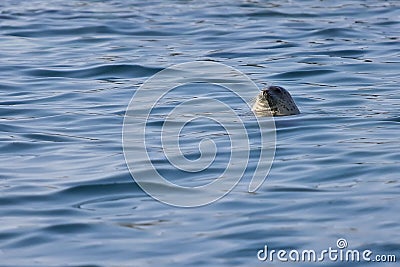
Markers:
<point>69,68</point>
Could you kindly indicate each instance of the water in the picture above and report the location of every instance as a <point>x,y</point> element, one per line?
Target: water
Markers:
<point>69,68</point>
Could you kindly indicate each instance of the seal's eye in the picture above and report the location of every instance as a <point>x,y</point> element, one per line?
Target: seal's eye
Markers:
<point>265,93</point>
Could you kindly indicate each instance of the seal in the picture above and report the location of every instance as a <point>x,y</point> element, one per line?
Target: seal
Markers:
<point>275,101</point>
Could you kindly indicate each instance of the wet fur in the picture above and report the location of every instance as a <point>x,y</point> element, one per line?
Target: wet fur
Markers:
<point>275,101</point>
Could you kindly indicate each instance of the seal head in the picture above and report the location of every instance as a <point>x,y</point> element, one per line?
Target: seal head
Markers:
<point>275,101</point>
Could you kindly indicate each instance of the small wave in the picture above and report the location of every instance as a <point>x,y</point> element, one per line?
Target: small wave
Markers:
<point>98,72</point>
<point>302,73</point>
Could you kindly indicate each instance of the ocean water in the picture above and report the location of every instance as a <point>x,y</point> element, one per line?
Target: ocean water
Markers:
<point>68,70</point>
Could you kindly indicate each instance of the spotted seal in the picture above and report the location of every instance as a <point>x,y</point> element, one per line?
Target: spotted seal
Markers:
<point>275,101</point>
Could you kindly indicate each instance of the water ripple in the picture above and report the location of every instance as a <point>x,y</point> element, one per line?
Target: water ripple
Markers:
<point>69,68</point>
<point>106,71</point>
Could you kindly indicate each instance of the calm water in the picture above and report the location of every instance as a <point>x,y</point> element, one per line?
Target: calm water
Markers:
<point>69,68</point>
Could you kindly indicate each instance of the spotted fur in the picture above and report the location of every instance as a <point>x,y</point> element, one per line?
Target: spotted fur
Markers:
<point>275,101</point>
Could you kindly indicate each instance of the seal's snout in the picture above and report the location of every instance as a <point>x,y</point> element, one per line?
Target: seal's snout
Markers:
<point>265,93</point>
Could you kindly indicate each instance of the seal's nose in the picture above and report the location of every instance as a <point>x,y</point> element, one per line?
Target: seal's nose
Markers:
<point>265,92</point>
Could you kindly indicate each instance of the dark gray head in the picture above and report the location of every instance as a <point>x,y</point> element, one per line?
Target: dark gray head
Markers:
<point>275,101</point>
